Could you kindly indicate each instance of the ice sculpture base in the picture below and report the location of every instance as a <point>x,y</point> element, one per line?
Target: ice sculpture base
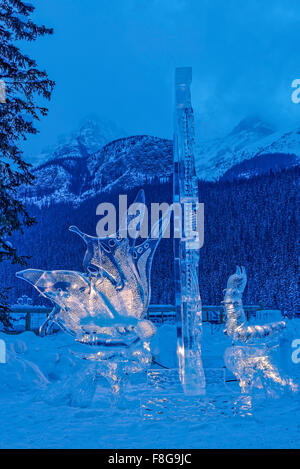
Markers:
<point>164,396</point>
<point>255,368</point>
<point>116,363</point>
<point>192,376</point>
<point>251,358</point>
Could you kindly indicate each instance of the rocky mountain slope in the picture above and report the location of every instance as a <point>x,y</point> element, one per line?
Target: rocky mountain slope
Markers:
<point>90,137</point>
<point>253,140</point>
<point>85,164</point>
<point>75,174</point>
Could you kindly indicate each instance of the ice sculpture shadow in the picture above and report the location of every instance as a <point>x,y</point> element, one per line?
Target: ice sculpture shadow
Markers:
<point>251,357</point>
<point>104,307</point>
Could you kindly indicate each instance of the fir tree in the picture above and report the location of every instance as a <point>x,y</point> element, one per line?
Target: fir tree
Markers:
<point>24,83</point>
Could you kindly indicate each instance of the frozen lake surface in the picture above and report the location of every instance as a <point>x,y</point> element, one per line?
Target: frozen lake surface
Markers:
<point>155,413</point>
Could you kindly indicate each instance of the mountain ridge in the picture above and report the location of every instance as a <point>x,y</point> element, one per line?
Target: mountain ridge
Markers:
<point>74,171</point>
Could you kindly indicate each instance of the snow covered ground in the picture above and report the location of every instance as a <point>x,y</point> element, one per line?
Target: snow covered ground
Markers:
<point>155,414</point>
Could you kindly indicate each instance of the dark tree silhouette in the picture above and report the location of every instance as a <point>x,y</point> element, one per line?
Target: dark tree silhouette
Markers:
<point>19,108</point>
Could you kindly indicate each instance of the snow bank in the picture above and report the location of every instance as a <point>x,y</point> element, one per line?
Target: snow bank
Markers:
<point>37,409</point>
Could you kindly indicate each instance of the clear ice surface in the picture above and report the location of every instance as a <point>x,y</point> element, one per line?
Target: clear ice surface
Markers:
<point>105,306</point>
<point>186,257</point>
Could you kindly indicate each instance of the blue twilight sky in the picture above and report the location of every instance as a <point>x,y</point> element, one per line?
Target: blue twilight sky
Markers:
<point>116,58</point>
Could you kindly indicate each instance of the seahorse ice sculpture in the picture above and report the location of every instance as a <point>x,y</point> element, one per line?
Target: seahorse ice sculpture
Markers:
<point>249,358</point>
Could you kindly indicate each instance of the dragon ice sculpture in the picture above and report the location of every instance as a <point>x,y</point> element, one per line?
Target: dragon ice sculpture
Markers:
<point>249,358</point>
<point>105,306</point>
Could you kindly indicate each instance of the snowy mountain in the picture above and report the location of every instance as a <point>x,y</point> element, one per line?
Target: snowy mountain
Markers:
<point>261,164</point>
<point>84,164</point>
<point>279,150</point>
<point>215,157</point>
<point>91,136</point>
<point>253,147</point>
<point>131,161</point>
<point>74,173</point>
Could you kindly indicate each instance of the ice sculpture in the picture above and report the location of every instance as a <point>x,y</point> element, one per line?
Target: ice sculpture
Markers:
<point>186,256</point>
<point>105,306</point>
<point>250,357</point>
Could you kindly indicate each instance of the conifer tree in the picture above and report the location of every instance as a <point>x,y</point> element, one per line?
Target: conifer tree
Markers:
<point>22,84</point>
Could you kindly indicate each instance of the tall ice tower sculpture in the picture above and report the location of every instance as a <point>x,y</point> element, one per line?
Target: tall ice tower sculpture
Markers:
<point>186,249</point>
